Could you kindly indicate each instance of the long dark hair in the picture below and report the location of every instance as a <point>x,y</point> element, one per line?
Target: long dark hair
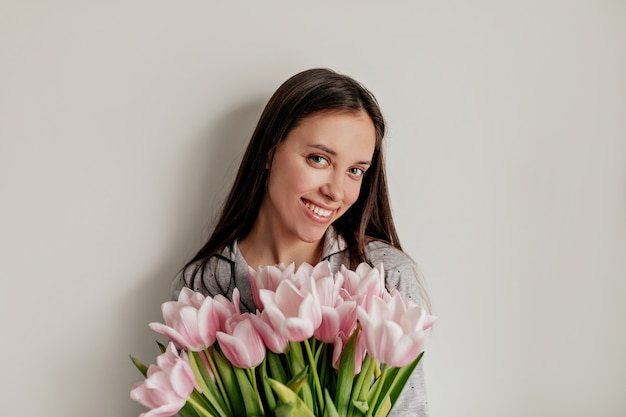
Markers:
<point>302,95</point>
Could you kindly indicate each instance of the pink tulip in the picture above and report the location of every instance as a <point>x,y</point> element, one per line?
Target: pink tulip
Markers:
<point>338,315</point>
<point>294,312</point>
<point>167,386</point>
<point>271,337</point>
<point>268,278</point>
<point>190,322</point>
<point>359,354</point>
<point>241,343</point>
<point>191,298</point>
<point>393,330</point>
<point>317,272</point>
<point>226,309</point>
<point>363,283</point>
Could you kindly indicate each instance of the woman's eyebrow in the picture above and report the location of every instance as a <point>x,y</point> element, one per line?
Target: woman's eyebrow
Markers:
<point>333,153</point>
<point>323,148</point>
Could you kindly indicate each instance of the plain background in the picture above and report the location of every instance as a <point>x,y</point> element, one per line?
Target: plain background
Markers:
<point>122,124</point>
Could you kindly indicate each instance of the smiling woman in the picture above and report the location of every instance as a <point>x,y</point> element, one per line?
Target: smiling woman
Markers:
<point>311,187</point>
<point>315,176</point>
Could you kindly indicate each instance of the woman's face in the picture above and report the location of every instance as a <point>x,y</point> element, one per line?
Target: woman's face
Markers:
<point>316,174</point>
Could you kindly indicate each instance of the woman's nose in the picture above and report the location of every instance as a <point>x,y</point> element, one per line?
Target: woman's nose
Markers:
<point>333,188</point>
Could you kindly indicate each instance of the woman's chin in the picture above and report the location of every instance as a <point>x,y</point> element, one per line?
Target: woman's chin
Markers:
<point>313,236</point>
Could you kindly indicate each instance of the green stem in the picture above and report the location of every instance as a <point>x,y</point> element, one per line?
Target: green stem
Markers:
<point>291,362</point>
<point>198,407</point>
<point>379,388</point>
<point>252,378</point>
<point>296,363</point>
<point>218,380</point>
<point>316,378</point>
<point>269,395</point>
<point>325,369</point>
<point>360,387</point>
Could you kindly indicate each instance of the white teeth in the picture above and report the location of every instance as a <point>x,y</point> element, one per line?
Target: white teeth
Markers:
<point>317,210</point>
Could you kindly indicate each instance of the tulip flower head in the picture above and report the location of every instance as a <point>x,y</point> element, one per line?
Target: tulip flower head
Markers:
<point>225,308</point>
<point>268,278</point>
<point>359,354</point>
<point>317,272</point>
<point>271,337</point>
<point>394,330</point>
<point>241,343</point>
<point>338,315</point>
<point>190,322</point>
<point>295,313</point>
<point>364,283</point>
<point>167,386</point>
<point>191,298</point>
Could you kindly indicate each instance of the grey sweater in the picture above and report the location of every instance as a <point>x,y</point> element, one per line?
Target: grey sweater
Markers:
<point>227,270</point>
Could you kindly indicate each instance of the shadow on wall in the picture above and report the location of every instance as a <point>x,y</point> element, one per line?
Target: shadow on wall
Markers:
<point>207,173</point>
<point>228,140</point>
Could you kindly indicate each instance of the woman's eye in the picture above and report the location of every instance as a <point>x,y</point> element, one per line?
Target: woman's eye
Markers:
<point>357,172</point>
<point>318,160</point>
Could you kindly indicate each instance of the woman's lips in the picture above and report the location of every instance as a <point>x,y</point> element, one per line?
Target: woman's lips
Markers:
<point>319,211</point>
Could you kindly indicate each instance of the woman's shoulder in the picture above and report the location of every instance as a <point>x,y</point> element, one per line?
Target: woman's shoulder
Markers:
<point>210,275</point>
<point>401,272</point>
<point>378,251</point>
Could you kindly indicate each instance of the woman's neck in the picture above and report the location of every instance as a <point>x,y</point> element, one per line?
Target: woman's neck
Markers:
<point>262,247</point>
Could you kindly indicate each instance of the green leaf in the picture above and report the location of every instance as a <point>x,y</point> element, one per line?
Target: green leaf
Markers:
<point>206,384</point>
<point>330,410</point>
<point>384,408</point>
<point>296,357</point>
<point>162,347</point>
<point>286,410</point>
<point>297,363</point>
<point>277,369</point>
<point>371,391</point>
<point>360,388</point>
<point>142,368</point>
<point>299,380</point>
<point>250,396</point>
<point>201,405</point>
<point>290,404</point>
<point>361,405</point>
<point>188,411</point>
<point>327,373</point>
<point>399,380</point>
<point>225,369</point>
<point>269,394</point>
<point>374,397</point>
<point>345,377</point>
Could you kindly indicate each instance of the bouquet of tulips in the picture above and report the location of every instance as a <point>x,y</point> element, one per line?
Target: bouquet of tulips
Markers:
<point>320,344</point>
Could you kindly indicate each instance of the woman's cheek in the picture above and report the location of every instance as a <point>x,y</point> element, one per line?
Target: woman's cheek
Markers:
<point>352,193</point>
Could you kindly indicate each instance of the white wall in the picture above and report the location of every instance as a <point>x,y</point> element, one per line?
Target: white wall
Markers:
<point>121,124</point>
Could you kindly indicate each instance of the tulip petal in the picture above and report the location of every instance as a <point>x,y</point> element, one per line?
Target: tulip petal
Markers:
<point>168,332</point>
<point>244,348</point>
<point>208,323</point>
<point>288,298</point>
<point>169,310</point>
<point>296,329</point>
<point>271,337</point>
<point>329,327</point>
<point>181,380</point>
<point>166,388</point>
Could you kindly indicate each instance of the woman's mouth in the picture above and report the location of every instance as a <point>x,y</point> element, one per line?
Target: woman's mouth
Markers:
<point>317,209</point>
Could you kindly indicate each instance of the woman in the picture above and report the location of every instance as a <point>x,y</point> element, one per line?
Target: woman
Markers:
<point>311,187</point>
